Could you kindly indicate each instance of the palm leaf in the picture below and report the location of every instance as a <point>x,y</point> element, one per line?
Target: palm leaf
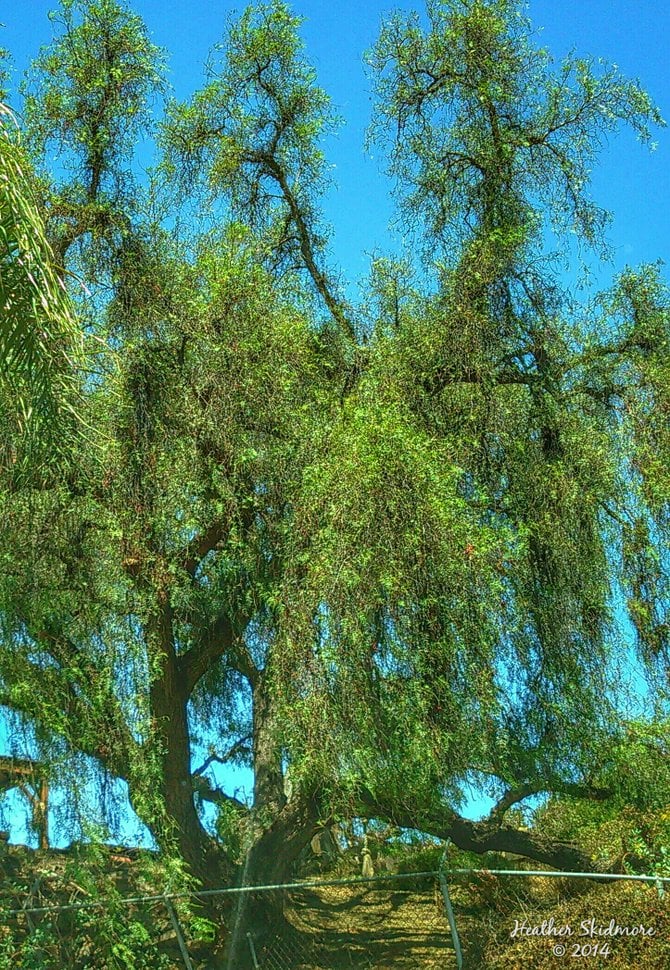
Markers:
<point>40,340</point>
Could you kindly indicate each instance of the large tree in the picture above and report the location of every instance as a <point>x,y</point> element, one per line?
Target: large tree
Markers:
<point>374,553</point>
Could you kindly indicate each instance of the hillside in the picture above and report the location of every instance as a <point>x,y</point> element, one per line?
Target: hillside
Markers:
<point>396,924</point>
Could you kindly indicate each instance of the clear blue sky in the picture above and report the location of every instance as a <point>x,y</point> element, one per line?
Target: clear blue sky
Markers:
<point>634,34</point>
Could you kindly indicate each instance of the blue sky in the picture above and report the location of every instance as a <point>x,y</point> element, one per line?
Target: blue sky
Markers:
<point>634,34</point>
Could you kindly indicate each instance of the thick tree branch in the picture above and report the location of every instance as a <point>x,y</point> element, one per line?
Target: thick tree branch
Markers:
<point>444,378</point>
<point>221,639</point>
<point>516,795</point>
<point>511,797</point>
<point>203,544</point>
<point>208,793</point>
<point>480,837</point>
<point>319,279</point>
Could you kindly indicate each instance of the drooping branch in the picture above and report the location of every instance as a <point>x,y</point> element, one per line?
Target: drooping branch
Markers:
<point>102,735</point>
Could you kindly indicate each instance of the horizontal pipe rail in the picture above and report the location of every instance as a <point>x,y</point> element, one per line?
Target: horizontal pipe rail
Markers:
<point>434,874</point>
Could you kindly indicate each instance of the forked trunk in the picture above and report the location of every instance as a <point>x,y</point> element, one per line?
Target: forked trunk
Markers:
<point>284,828</point>
<point>258,918</point>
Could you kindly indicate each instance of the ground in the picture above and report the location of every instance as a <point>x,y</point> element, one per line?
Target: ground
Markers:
<point>397,924</point>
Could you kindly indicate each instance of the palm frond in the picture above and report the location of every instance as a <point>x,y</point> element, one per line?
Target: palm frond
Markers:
<point>39,336</point>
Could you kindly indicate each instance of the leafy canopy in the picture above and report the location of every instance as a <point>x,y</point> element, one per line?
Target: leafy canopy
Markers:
<point>386,550</point>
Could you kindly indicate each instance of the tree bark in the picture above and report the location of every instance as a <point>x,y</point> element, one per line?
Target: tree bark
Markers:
<point>269,798</point>
<point>488,835</point>
<point>270,862</point>
<point>169,706</point>
<point>281,829</point>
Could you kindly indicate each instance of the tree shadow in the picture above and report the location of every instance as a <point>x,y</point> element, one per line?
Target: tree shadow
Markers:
<point>338,928</point>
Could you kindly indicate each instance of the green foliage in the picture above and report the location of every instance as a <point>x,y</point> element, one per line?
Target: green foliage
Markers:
<point>5,72</point>
<point>632,826</point>
<point>90,89</point>
<point>255,132</point>
<point>385,567</point>
<point>87,100</point>
<point>482,128</point>
<point>112,935</point>
<point>40,344</point>
<point>260,113</point>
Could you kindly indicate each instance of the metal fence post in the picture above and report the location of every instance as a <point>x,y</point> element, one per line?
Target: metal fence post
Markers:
<point>252,949</point>
<point>174,919</point>
<point>449,909</point>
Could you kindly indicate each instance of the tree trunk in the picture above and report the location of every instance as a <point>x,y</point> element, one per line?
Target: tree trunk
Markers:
<point>282,829</point>
<point>269,797</point>
<point>182,829</point>
<point>176,789</point>
<point>270,862</point>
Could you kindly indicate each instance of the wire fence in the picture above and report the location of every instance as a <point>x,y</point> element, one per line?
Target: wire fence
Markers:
<point>388,922</point>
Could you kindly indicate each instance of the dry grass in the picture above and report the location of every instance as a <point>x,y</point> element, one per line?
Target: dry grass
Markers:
<point>628,904</point>
<point>374,928</point>
<point>399,925</point>
<point>338,928</point>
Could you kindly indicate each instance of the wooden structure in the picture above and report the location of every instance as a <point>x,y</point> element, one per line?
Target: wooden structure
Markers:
<point>30,778</point>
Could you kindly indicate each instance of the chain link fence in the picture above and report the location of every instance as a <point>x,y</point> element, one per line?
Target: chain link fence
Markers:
<point>391,922</point>
<point>383,922</point>
<point>394,922</point>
